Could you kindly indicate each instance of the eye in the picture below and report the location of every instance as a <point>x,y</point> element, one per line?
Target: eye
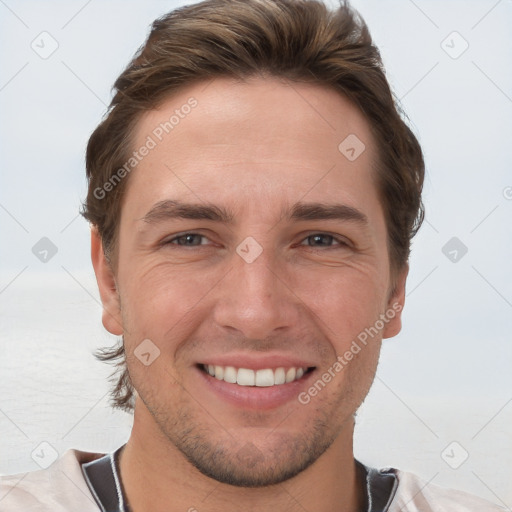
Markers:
<point>187,240</point>
<point>323,240</point>
<point>316,240</point>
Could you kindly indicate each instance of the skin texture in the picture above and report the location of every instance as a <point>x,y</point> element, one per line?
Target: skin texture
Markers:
<point>255,149</point>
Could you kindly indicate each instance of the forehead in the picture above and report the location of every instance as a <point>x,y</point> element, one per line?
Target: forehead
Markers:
<point>261,139</point>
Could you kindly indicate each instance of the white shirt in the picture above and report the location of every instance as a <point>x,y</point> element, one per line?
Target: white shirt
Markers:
<point>62,488</point>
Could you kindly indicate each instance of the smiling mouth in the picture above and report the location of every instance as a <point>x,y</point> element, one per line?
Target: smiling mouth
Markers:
<point>265,377</point>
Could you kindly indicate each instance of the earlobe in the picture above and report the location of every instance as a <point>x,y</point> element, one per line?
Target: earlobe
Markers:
<point>395,305</point>
<point>107,286</point>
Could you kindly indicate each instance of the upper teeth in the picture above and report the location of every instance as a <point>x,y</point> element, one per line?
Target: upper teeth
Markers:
<point>261,378</point>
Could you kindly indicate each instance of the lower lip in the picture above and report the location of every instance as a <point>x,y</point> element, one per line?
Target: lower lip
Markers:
<point>255,397</point>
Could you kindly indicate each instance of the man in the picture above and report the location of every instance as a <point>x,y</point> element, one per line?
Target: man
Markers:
<point>253,193</point>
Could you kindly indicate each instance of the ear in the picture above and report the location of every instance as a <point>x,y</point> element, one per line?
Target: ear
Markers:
<point>107,286</point>
<point>395,305</point>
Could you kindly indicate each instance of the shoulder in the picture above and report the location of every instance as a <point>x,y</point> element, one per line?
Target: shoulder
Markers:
<point>60,487</point>
<point>413,494</point>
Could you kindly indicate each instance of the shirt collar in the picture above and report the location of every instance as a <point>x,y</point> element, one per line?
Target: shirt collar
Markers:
<point>103,478</point>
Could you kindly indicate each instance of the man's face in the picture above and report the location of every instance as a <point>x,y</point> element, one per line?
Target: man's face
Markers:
<point>281,285</point>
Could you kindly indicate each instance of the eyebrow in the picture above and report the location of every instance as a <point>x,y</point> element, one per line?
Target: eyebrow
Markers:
<point>170,209</point>
<point>173,209</point>
<point>323,211</point>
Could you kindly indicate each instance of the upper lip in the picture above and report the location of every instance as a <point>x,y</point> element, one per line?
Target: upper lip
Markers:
<point>257,361</point>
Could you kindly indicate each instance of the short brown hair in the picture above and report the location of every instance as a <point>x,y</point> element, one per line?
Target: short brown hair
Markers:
<point>299,40</point>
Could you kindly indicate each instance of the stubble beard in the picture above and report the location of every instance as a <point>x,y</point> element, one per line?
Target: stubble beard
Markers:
<point>216,453</point>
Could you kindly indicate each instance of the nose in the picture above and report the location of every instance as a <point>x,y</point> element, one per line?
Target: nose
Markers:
<point>255,299</point>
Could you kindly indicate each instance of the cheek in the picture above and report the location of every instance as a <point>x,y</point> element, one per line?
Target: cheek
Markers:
<point>345,301</point>
<point>159,302</point>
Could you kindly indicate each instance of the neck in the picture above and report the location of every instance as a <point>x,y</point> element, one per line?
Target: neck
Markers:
<point>156,476</point>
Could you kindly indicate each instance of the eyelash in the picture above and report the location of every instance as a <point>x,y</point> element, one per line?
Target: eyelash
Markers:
<point>341,242</point>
